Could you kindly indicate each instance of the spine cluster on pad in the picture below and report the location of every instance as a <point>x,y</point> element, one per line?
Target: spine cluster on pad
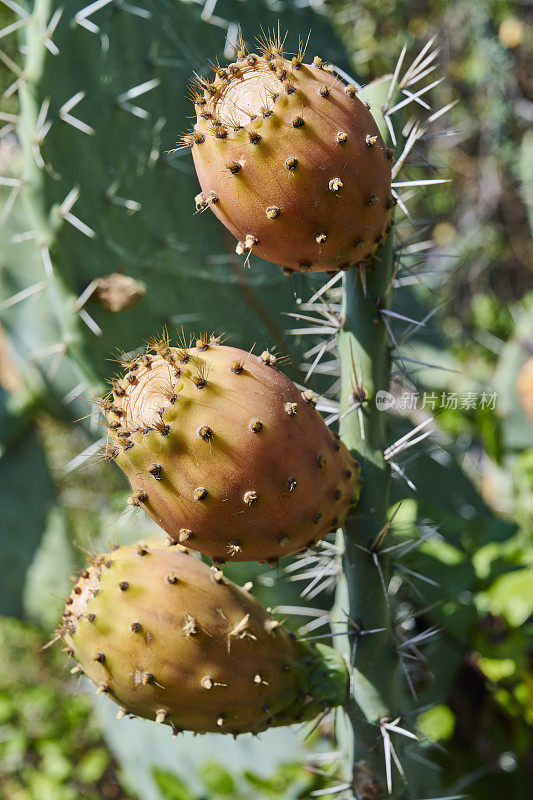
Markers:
<point>171,640</point>
<point>291,161</point>
<point>225,453</point>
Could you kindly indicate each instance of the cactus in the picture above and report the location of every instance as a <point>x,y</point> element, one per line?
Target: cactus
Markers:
<point>122,205</point>
<point>226,454</point>
<point>90,190</point>
<point>100,192</point>
<point>171,640</point>
<point>377,702</point>
<point>291,161</point>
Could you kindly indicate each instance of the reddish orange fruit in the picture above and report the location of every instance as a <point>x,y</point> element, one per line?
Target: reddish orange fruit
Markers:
<point>226,453</point>
<point>291,162</point>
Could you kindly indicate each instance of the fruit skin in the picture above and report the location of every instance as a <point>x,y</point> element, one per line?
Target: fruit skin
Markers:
<point>226,454</point>
<point>292,163</point>
<point>524,387</point>
<point>170,639</point>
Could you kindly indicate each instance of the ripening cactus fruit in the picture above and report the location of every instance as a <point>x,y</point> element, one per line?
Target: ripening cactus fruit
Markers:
<point>169,639</point>
<point>225,453</point>
<point>291,162</point>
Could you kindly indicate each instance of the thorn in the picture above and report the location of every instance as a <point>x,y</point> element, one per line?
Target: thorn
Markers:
<point>137,498</point>
<point>335,184</point>
<point>234,547</point>
<point>309,397</point>
<point>320,237</point>
<point>267,358</point>
<point>103,688</point>
<point>298,122</point>
<point>272,212</point>
<point>370,140</point>
<point>136,627</point>
<point>291,163</point>
<point>121,713</point>
<point>190,627</point>
<point>161,716</point>
<point>256,426</point>
<point>342,137</point>
<point>184,535</point>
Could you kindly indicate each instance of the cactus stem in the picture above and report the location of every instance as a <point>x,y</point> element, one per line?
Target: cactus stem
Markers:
<point>362,589</point>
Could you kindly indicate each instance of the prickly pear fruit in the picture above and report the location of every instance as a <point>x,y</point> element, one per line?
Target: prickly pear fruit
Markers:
<point>170,639</point>
<point>524,387</point>
<point>291,162</point>
<point>226,454</point>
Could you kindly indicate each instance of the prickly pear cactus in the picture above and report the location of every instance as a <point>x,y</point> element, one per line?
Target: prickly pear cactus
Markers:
<point>291,161</point>
<point>169,639</point>
<point>101,193</point>
<point>226,453</point>
<point>256,101</point>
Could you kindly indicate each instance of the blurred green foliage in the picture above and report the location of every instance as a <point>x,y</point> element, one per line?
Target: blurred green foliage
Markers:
<point>50,747</point>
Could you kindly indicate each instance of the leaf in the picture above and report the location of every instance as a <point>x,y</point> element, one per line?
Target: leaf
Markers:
<point>27,496</point>
<point>217,779</point>
<point>170,786</point>
<point>447,497</point>
<point>47,579</point>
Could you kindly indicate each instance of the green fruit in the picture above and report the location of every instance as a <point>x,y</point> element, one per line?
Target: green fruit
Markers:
<point>226,454</point>
<point>170,639</point>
